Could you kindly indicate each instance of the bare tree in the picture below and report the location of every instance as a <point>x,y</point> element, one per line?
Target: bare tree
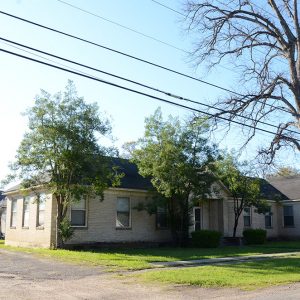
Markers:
<point>262,39</point>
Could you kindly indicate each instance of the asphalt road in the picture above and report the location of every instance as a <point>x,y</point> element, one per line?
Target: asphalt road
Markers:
<point>24,276</point>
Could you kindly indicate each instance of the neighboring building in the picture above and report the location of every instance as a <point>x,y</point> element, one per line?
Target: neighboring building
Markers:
<point>116,219</point>
<point>2,214</point>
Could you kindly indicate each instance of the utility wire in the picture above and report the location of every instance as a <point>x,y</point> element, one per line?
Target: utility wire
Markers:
<point>140,93</point>
<point>131,81</point>
<point>122,53</point>
<point>128,28</point>
<point>8,43</point>
<point>139,59</point>
<point>169,8</point>
<point>122,26</point>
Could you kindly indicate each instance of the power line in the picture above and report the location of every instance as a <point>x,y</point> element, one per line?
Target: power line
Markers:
<point>141,93</point>
<point>132,81</point>
<point>121,53</point>
<point>122,26</point>
<point>128,28</point>
<point>168,7</point>
<point>45,58</point>
<point>139,59</point>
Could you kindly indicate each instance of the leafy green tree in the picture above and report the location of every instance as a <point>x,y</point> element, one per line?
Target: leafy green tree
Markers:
<point>243,187</point>
<point>177,157</point>
<point>61,152</point>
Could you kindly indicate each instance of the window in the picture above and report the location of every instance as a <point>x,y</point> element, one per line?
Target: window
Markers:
<point>26,203</point>
<point>288,216</point>
<point>13,220</point>
<point>41,210</point>
<point>247,217</point>
<point>268,219</point>
<point>197,218</point>
<point>123,213</point>
<point>3,221</point>
<point>78,213</point>
<point>161,218</point>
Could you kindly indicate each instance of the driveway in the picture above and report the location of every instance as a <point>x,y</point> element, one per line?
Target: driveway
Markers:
<point>24,276</point>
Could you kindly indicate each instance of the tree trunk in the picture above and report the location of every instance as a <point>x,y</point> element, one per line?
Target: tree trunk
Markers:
<point>185,223</point>
<point>59,241</point>
<point>236,223</point>
<point>173,222</point>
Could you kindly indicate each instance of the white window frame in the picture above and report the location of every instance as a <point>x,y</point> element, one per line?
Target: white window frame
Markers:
<point>86,215</point>
<point>129,221</point>
<point>3,220</point>
<point>161,210</point>
<point>27,198</point>
<point>38,212</point>
<point>194,217</point>
<point>13,213</point>
<point>293,215</point>
<point>270,215</point>
<point>247,215</point>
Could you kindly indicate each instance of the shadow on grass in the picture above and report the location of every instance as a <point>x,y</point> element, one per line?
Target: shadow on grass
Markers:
<point>246,275</point>
<point>173,253</point>
<point>270,266</point>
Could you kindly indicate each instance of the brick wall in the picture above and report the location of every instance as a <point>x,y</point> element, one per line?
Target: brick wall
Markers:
<point>32,236</point>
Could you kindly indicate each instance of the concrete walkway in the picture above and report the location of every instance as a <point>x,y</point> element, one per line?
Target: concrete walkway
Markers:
<point>221,260</point>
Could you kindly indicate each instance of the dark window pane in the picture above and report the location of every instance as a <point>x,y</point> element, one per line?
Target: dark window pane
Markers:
<point>288,221</point>
<point>288,210</point>
<point>197,219</point>
<point>161,220</point>
<point>197,214</point>
<point>78,217</point>
<point>268,221</point>
<point>122,219</point>
<point>288,215</point>
<point>123,204</point>
<point>247,222</point>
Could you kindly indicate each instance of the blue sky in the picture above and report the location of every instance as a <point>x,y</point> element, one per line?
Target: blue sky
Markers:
<point>21,80</point>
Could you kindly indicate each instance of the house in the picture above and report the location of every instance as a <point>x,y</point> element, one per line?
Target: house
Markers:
<point>115,220</point>
<point>2,214</point>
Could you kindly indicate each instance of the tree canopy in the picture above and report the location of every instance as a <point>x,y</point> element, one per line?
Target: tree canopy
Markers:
<point>178,158</point>
<point>243,187</point>
<point>261,40</point>
<point>61,149</point>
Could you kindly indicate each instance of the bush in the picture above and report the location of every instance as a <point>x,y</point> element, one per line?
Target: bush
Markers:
<point>65,230</point>
<point>206,238</point>
<point>255,236</point>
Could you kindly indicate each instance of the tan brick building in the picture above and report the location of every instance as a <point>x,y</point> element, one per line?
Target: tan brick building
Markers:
<point>30,222</point>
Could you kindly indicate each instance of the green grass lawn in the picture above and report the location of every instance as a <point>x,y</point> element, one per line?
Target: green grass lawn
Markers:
<point>247,276</point>
<point>137,259</point>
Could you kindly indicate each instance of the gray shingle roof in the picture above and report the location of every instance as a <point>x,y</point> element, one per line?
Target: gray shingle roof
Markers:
<point>282,188</point>
<point>270,192</point>
<point>131,180</point>
<point>289,185</point>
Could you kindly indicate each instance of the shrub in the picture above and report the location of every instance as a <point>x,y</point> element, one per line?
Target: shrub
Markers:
<point>206,238</point>
<point>255,236</point>
<point>65,230</point>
